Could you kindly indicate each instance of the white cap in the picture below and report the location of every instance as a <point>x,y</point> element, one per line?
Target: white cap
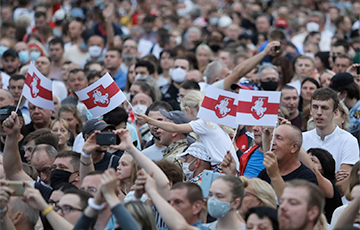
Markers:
<point>224,21</point>
<point>197,150</point>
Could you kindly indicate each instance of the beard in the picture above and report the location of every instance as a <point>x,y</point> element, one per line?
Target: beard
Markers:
<point>128,57</point>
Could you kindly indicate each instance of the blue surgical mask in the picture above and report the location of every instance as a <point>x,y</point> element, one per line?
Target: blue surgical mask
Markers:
<point>24,56</point>
<point>34,55</point>
<point>2,50</point>
<point>217,208</point>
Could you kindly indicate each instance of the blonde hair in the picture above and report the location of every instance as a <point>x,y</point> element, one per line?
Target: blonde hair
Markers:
<point>204,47</point>
<point>263,190</point>
<point>62,122</point>
<point>143,214</point>
<point>192,99</point>
<point>345,114</point>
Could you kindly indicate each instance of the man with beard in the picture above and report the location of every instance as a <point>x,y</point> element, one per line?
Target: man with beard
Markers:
<point>300,206</point>
<point>153,147</point>
<point>129,54</point>
<point>10,62</point>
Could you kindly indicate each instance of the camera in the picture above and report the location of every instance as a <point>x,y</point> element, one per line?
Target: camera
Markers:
<point>107,138</point>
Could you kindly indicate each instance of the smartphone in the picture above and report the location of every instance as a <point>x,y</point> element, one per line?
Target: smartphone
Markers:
<point>277,48</point>
<point>18,187</point>
<point>107,138</point>
<point>207,178</point>
<point>358,70</point>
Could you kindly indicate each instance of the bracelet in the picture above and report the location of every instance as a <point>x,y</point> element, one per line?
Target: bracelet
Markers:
<point>86,164</point>
<point>84,154</point>
<point>93,205</point>
<point>47,210</point>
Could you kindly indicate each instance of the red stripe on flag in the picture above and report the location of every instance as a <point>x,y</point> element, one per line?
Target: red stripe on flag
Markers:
<point>111,90</point>
<point>43,92</point>
<point>245,107</point>
<point>209,103</point>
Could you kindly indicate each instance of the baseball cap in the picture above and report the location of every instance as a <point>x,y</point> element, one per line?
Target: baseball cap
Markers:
<point>340,80</point>
<point>177,117</point>
<point>197,150</point>
<point>95,124</point>
<point>10,52</point>
<point>59,15</point>
<point>5,112</point>
<point>224,21</point>
<point>281,23</point>
<point>77,13</point>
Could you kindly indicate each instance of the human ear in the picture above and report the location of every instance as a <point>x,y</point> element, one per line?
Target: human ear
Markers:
<point>313,213</point>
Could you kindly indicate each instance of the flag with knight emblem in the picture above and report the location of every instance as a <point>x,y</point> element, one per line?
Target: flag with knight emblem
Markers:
<point>38,89</point>
<point>102,96</point>
<point>258,107</point>
<point>219,106</point>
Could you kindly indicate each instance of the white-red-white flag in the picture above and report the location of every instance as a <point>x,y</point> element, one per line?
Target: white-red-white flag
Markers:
<point>258,107</point>
<point>38,89</point>
<point>219,106</point>
<point>102,96</point>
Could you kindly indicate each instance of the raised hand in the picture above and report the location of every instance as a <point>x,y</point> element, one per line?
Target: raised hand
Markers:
<point>150,184</point>
<point>108,11</point>
<point>109,183</point>
<point>90,144</point>
<point>11,126</point>
<point>142,118</point>
<point>270,48</point>
<point>228,165</point>
<point>139,185</point>
<point>125,140</point>
<point>271,164</point>
<point>5,193</point>
<point>341,175</point>
<point>32,197</point>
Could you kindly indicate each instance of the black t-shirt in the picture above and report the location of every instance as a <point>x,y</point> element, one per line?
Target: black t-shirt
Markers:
<point>104,163</point>
<point>297,121</point>
<point>302,172</point>
<point>332,203</point>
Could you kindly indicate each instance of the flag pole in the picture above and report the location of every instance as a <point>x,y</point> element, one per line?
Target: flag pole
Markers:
<point>272,138</point>
<point>233,138</point>
<point>18,104</point>
<point>132,108</point>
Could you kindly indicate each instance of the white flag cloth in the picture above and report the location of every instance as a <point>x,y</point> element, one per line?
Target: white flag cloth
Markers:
<point>258,107</point>
<point>102,96</point>
<point>219,106</point>
<point>38,89</point>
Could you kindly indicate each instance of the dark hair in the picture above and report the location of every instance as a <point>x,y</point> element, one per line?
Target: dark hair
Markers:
<point>312,80</point>
<point>116,116</point>
<point>145,88</point>
<point>325,94</point>
<point>115,49</point>
<point>186,59</point>
<point>64,186</point>
<point>76,70</point>
<point>75,158</point>
<point>236,186</point>
<point>157,105</point>
<point>326,160</point>
<point>149,66</point>
<point>84,196</point>
<point>324,58</point>
<point>69,108</point>
<point>190,84</point>
<point>39,14</point>
<point>343,43</point>
<point>277,34</point>
<point>170,52</point>
<point>149,18</point>
<point>193,193</point>
<point>173,172</point>
<point>55,41</point>
<point>43,136</point>
<point>262,212</point>
<point>287,70</point>
<point>17,77</point>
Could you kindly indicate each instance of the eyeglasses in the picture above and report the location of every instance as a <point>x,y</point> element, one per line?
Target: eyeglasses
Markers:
<point>66,209</point>
<point>131,47</point>
<point>53,202</point>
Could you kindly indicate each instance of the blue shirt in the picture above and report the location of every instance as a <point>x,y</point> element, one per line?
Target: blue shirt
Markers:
<point>255,164</point>
<point>120,79</point>
<point>354,122</point>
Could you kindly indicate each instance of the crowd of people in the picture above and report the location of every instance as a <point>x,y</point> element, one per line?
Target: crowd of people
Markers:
<point>168,168</point>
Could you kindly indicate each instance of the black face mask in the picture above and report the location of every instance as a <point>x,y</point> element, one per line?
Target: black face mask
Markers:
<point>132,96</point>
<point>270,85</point>
<point>59,176</point>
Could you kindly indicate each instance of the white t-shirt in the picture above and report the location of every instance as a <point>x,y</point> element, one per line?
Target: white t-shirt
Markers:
<point>336,215</point>
<point>74,54</point>
<point>341,144</point>
<point>212,226</point>
<point>153,152</point>
<point>216,141</point>
<point>5,80</point>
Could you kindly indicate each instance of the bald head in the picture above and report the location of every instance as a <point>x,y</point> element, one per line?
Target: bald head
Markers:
<point>295,134</point>
<point>141,99</point>
<point>6,98</point>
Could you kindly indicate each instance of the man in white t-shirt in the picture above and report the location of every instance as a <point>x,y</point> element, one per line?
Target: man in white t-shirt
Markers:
<point>341,144</point>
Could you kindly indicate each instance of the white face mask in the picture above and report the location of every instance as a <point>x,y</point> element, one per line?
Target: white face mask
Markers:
<point>141,77</point>
<point>140,108</point>
<point>312,27</point>
<point>95,51</point>
<point>178,75</point>
<point>185,167</point>
<point>178,40</point>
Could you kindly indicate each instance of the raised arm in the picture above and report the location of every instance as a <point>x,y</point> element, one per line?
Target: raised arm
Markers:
<point>11,157</point>
<point>173,219</point>
<point>86,162</point>
<point>108,14</point>
<point>33,198</point>
<point>272,169</point>
<point>5,195</point>
<point>348,216</point>
<point>165,125</point>
<point>162,182</point>
<point>246,66</point>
